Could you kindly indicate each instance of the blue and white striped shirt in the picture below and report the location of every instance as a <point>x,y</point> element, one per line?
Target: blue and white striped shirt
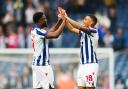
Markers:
<point>40,46</point>
<point>88,47</point>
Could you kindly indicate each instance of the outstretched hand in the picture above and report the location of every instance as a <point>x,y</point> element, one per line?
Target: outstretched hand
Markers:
<point>62,12</point>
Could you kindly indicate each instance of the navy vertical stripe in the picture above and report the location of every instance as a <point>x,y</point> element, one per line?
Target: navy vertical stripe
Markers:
<point>92,58</point>
<point>80,33</point>
<point>38,60</point>
<point>86,48</point>
<point>44,51</point>
<point>82,55</point>
<point>48,56</point>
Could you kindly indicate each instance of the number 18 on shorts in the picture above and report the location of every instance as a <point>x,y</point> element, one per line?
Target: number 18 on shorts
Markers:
<point>87,75</point>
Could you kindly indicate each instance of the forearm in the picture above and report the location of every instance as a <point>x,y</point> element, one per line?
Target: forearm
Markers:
<point>73,22</point>
<point>60,29</point>
<point>56,26</point>
<point>69,26</point>
<point>55,34</point>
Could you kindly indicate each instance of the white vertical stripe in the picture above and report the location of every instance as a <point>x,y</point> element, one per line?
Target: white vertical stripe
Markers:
<point>89,49</point>
<point>41,61</point>
<point>80,57</point>
<point>47,53</point>
<point>84,49</point>
<point>94,57</point>
<point>36,61</point>
<point>81,47</point>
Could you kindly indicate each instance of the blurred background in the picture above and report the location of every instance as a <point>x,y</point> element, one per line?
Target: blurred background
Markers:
<point>15,26</point>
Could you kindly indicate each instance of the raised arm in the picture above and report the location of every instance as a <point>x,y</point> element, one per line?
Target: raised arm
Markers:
<point>73,22</point>
<point>80,27</point>
<point>57,31</point>
<point>71,28</point>
<point>56,26</point>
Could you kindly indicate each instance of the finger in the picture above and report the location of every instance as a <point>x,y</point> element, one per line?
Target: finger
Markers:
<point>59,10</point>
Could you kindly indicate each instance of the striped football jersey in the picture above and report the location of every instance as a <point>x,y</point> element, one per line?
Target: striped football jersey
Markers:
<point>88,46</point>
<point>40,46</point>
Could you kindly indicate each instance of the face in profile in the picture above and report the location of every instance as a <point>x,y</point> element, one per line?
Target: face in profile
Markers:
<point>43,22</point>
<point>88,21</point>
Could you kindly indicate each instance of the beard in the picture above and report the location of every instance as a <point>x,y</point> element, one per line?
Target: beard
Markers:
<point>44,25</point>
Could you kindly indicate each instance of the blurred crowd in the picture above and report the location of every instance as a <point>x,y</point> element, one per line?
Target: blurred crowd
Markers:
<point>16,20</point>
<point>15,26</point>
<point>15,76</point>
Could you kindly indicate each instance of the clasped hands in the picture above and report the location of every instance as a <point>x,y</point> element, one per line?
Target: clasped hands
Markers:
<point>61,13</point>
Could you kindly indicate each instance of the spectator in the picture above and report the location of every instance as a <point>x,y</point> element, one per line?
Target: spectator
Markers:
<point>105,82</point>
<point>2,38</point>
<point>8,18</point>
<point>113,19</point>
<point>65,78</point>
<point>64,81</point>
<point>29,11</point>
<point>26,78</point>
<point>28,36</point>
<point>18,10</point>
<point>101,32</point>
<point>48,12</point>
<point>12,38</point>
<point>119,43</point>
<point>99,81</point>
<point>18,83</point>
<point>119,84</point>
<point>126,83</point>
<point>13,77</point>
<point>103,19</point>
<point>2,8</point>
<point>21,37</point>
<point>108,39</point>
<point>3,81</point>
<point>104,23</point>
<point>109,2</point>
<point>9,6</point>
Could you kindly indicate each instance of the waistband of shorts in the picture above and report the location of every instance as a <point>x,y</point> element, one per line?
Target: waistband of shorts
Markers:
<point>41,65</point>
<point>89,63</point>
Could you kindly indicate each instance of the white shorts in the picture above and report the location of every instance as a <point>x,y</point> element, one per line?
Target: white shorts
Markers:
<point>42,77</point>
<point>87,75</point>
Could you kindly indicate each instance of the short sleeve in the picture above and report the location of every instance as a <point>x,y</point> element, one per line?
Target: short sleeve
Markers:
<point>80,32</point>
<point>41,33</point>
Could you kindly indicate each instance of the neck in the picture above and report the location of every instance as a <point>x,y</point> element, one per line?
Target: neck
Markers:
<point>86,26</point>
<point>36,24</point>
<point>44,28</point>
<point>40,26</point>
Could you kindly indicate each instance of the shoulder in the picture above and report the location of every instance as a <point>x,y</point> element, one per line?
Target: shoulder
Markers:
<point>94,33</point>
<point>37,29</point>
<point>81,33</point>
<point>93,30</point>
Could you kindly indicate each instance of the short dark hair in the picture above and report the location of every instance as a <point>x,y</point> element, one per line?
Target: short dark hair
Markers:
<point>93,18</point>
<point>37,16</point>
